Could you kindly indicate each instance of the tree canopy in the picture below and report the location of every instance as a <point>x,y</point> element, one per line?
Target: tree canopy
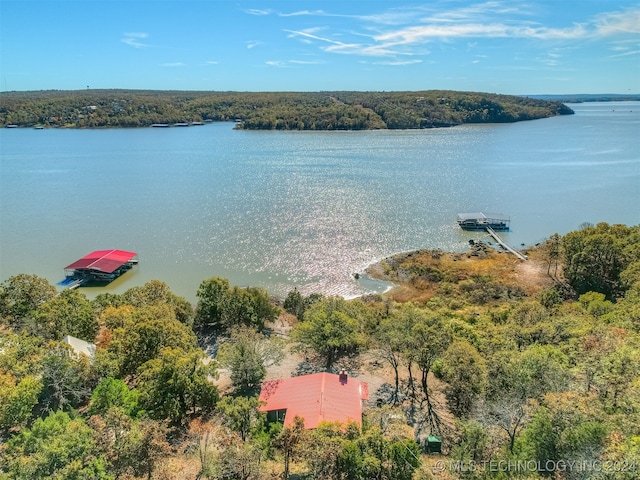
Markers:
<point>270,110</point>
<point>496,368</point>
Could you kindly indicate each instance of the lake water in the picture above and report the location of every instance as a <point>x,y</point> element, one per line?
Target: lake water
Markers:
<point>305,209</point>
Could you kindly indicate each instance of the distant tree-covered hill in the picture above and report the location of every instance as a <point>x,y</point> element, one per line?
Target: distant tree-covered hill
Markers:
<point>589,97</point>
<point>269,110</point>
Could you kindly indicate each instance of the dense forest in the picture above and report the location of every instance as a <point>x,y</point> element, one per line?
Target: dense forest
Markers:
<point>522,369</point>
<point>270,110</point>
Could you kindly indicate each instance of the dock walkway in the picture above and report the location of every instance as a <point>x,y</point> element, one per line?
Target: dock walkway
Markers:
<point>505,245</point>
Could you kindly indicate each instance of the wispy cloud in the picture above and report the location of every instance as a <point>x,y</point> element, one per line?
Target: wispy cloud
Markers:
<point>614,23</point>
<point>288,63</point>
<point>398,62</point>
<point>625,54</point>
<point>300,13</point>
<point>253,44</point>
<point>173,64</point>
<point>417,26</point>
<point>257,12</point>
<point>134,39</point>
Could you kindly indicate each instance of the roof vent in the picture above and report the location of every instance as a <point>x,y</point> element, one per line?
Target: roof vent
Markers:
<point>343,376</point>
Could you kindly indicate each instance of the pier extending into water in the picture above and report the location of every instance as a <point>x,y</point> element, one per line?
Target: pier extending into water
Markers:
<point>504,244</point>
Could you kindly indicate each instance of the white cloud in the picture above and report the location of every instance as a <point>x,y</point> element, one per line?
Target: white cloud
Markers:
<point>614,23</point>
<point>406,31</point>
<point>253,44</point>
<point>173,64</point>
<point>305,62</point>
<point>626,54</point>
<point>286,63</point>
<point>133,39</point>
<point>255,11</point>
<point>398,62</point>
<point>305,13</point>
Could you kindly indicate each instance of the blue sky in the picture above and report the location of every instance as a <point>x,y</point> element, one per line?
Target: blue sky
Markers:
<point>502,46</point>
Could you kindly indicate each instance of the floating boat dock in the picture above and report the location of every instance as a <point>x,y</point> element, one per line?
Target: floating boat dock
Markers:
<point>480,221</point>
<point>489,222</point>
<point>100,267</point>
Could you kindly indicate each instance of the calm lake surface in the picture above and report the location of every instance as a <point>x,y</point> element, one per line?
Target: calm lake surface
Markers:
<point>305,209</point>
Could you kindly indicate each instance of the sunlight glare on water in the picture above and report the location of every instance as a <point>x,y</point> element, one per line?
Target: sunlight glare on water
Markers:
<point>305,209</point>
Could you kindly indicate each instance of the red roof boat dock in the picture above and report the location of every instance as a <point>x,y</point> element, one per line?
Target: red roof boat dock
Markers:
<point>101,266</point>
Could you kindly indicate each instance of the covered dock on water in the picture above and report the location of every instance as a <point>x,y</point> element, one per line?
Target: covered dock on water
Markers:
<point>101,266</point>
<point>482,221</point>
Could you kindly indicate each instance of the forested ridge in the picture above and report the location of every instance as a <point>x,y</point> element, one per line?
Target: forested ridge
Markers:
<point>522,369</point>
<point>269,110</point>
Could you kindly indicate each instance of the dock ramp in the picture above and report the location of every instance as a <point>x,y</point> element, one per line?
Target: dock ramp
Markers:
<point>504,244</point>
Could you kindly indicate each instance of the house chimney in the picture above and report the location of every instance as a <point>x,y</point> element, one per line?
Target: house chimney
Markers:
<point>343,376</point>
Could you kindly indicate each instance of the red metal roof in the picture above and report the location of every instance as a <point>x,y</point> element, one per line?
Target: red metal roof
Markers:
<point>106,261</point>
<point>316,398</point>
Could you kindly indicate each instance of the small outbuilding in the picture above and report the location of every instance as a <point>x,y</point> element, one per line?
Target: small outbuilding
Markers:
<point>434,444</point>
<point>319,397</point>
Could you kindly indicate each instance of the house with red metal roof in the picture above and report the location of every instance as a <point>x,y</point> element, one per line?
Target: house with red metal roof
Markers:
<point>319,397</point>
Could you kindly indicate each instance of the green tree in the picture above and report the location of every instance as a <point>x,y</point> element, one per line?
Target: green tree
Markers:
<point>390,341</point>
<point>156,292</point>
<point>538,370</point>
<point>552,252</point>
<point>288,441</point>
<point>21,295</point>
<point>329,331</point>
<point>248,354</point>
<point>17,399</point>
<point>211,297</point>
<point>176,384</point>
<point>615,375</point>
<point>222,307</point>
<point>241,414</point>
<point>524,377</point>
<point>66,379</point>
<point>57,447</point>
<point>21,354</point>
<point>465,371</point>
<point>594,258</point>
<point>69,313</point>
<point>131,447</point>
<point>143,335</point>
<point>294,304</point>
<point>110,393</point>
<point>565,427</point>
<point>427,338</point>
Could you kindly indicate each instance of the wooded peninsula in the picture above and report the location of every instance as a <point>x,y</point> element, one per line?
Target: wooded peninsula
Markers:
<point>479,365</point>
<point>269,110</point>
